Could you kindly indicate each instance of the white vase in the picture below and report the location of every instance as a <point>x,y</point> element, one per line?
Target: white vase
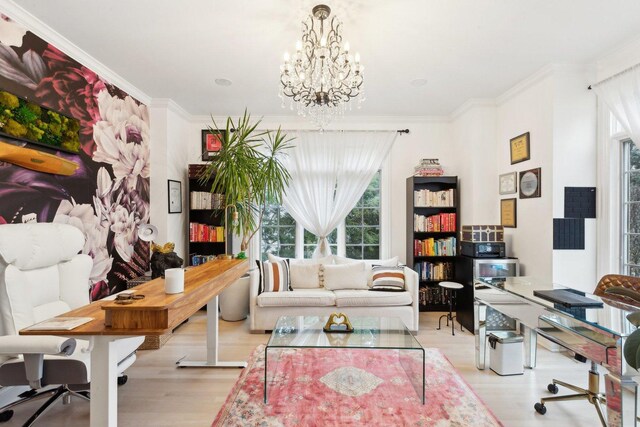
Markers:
<point>234,300</point>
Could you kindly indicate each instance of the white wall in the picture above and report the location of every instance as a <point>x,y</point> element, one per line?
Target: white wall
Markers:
<point>169,143</point>
<point>429,138</point>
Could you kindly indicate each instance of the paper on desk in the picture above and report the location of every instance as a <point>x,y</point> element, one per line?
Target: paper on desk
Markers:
<point>59,324</point>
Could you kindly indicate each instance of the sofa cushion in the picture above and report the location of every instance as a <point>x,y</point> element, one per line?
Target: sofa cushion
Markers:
<point>306,261</point>
<point>365,298</point>
<point>274,276</point>
<point>305,276</point>
<point>368,264</point>
<point>345,276</point>
<point>299,298</point>
<point>387,278</point>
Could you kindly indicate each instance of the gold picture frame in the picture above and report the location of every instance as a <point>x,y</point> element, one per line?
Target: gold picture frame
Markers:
<point>509,213</point>
<point>520,148</point>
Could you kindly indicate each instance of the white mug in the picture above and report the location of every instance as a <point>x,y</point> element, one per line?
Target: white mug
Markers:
<point>174,280</point>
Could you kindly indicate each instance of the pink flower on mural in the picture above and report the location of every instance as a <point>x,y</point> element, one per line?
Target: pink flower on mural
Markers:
<point>73,89</point>
<point>99,290</point>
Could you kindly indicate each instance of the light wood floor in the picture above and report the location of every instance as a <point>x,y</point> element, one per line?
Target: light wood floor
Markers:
<point>159,394</point>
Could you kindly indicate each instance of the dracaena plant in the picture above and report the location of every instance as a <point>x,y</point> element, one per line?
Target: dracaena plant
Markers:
<point>249,172</point>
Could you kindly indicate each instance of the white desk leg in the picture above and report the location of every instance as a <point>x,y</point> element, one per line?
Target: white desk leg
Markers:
<point>212,343</point>
<point>104,387</point>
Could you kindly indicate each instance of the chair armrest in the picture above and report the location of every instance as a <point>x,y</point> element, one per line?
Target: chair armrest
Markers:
<point>254,284</point>
<point>412,285</point>
<point>33,349</point>
<point>22,344</point>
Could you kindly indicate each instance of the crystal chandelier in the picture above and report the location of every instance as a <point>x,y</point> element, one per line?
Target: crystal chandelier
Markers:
<point>322,76</point>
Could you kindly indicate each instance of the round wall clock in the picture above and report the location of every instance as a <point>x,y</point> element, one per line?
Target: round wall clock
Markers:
<point>530,184</point>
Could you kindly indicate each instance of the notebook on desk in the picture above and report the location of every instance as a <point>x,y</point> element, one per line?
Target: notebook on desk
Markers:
<point>568,298</point>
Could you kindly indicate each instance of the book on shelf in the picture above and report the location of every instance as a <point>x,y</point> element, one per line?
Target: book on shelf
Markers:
<point>444,222</point>
<point>432,295</point>
<point>434,270</point>
<point>435,247</point>
<point>205,233</point>
<point>60,324</point>
<point>205,200</point>
<point>438,199</point>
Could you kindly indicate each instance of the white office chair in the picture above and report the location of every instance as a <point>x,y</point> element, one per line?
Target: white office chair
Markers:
<point>42,276</point>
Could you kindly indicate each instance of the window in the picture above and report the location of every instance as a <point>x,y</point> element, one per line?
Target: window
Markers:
<point>357,237</point>
<point>630,209</point>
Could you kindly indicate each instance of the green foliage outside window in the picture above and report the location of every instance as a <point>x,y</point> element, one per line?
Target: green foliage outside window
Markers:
<point>632,209</point>
<point>26,120</point>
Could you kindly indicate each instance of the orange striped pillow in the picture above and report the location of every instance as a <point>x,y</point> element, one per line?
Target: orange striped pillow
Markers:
<point>390,279</point>
<point>274,276</point>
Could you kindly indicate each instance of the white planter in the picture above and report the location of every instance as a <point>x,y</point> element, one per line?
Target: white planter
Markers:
<point>234,301</point>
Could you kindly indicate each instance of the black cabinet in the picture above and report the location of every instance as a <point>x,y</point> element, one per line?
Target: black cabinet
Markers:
<point>432,226</point>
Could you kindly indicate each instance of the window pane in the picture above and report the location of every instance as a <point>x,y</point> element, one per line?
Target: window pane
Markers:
<point>354,252</point>
<point>371,198</point>
<point>308,251</point>
<point>371,216</point>
<point>634,271</point>
<point>634,156</point>
<point>371,252</point>
<point>353,235</point>
<point>288,235</point>
<point>286,219</point>
<point>372,236</point>
<point>287,251</point>
<point>354,217</point>
<point>633,242</point>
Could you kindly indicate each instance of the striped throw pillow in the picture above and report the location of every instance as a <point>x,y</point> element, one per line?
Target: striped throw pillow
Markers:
<point>274,276</point>
<point>390,279</point>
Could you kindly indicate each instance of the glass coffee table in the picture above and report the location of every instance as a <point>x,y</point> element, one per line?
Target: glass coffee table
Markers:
<point>370,333</point>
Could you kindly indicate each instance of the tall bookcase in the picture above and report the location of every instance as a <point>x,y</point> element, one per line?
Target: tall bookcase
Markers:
<point>205,233</point>
<point>433,221</point>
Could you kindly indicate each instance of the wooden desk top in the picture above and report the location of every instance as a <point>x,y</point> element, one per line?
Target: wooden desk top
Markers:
<point>158,313</point>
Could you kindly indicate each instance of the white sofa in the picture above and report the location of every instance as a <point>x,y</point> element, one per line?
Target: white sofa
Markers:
<point>266,308</point>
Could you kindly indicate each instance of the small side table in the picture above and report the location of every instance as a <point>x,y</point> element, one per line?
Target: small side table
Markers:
<point>451,289</point>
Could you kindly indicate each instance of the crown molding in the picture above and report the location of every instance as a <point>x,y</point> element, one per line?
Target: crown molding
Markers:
<point>617,59</point>
<point>42,30</point>
<point>469,104</point>
<point>345,123</point>
<point>172,106</point>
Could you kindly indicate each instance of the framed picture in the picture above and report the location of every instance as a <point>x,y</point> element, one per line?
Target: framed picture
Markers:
<point>508,183</point>
<point>520,148</point>
<point>508,213</point>
<point>211,143</point>
<point>530,183</point>
<point>175,196</point>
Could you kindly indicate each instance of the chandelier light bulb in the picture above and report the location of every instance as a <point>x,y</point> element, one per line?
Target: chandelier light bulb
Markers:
<point>286,57</point>
<point>302,76</point>
<point>357,58</point>
<point>323,41</point>
<point>298,46</point>
<point>346,47</point>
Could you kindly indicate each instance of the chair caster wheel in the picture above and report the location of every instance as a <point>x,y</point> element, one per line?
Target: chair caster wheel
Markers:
<point>540,408</point>
<point>552,388</point>
<point>6,416</point>
<point>122,380</point>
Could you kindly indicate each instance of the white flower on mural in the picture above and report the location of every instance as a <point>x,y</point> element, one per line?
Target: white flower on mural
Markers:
<point>122,138</point>
<point>11,33</point>
<point>82,217</point>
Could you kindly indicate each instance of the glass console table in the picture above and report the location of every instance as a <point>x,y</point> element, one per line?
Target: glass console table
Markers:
<point>370,333</point>
<point>598,333</point>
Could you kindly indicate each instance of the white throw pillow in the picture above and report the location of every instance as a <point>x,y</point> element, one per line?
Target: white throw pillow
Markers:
<point>345,276</point>
<point>305,261</point>
<point>368,263</point>
<point>305,276</point>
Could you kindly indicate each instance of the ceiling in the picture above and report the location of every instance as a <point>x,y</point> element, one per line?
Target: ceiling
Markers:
<point>464,48</point>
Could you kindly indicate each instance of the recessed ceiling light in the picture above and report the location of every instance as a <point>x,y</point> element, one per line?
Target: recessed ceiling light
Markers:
<point>418,82</point>
<point>223,82</point>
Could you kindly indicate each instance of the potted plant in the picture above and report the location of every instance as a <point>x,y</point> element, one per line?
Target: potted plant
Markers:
<point>249,172</point>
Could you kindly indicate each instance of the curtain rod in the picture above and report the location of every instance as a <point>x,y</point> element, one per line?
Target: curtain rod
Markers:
<point>400,131</point>
<point>626,70</point>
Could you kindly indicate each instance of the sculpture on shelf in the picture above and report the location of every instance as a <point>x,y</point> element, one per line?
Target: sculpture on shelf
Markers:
<point>163,257</point>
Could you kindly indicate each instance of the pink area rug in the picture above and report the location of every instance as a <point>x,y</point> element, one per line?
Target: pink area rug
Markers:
<point>328,387</point>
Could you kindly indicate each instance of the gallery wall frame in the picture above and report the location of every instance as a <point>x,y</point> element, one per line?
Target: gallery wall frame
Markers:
<point>520,148</point>
<point>174,191</point>
<point>509,212</point>
<point>211,143</point>
<point>508,183</point>
<point>530,183</point>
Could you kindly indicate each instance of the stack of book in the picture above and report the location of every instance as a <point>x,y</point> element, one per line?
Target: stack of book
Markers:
<point>433,247</point>
<point>428,167</point>
<point>205,233</point>
<point>434,271</point>
<point>426,198</point>
<point>205,200</point>
<point>444,222</point>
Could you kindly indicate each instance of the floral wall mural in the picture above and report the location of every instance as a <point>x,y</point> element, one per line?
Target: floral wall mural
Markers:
<point>108,196</point>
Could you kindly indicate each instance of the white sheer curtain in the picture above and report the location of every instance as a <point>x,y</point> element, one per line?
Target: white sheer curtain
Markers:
<point>329,173</point>
<point>621,93</point>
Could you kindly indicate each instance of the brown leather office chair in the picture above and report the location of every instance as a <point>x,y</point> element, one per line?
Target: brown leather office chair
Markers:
<point>612,287</point>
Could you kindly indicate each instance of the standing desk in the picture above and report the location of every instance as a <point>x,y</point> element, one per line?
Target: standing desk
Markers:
<point>598,334</point>
<point>158,313</point>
